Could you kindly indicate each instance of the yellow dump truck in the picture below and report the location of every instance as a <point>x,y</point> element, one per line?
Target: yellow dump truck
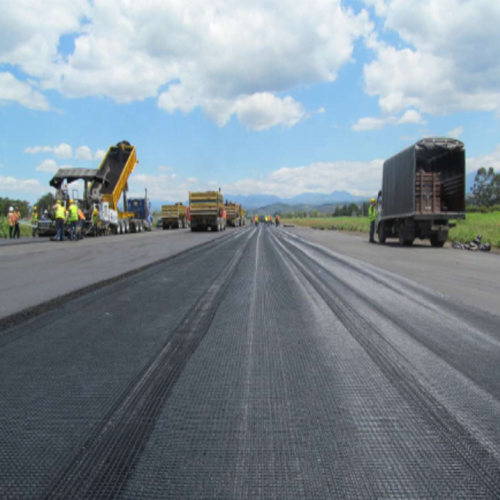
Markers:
<point>206,210</point>
<point>233,214</point>
<point>174,216</point>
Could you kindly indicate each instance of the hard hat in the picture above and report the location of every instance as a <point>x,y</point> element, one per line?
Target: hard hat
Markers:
<point>34,208</point>
<point>59,202</point>
<point>71,201</point>
<point>372,200</point>
<point>11,209</point>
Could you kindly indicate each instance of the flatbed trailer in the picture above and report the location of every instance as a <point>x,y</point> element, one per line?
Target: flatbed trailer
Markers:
<point>423,188</point>
<point>174,216</point>
<point>206,210</point>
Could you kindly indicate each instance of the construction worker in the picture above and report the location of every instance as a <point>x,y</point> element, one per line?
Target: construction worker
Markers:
<point>372,216</point>
<point>95,220</point>
<point>34,221</point>
<point>17,218</point>
<point>72,219</point>
<point>277,220</point>
<point>256,220</point>
<point>81,223</point>
<point>60,215</point>
<point>11,221</point>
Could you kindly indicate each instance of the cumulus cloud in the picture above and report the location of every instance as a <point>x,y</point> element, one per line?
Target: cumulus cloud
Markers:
<point>62,151</point>
<point>165,187</point>
<point>32,186</point>
<point>225,57</point>
<point>369,123</point>
<point>360,178</point>
<point>456,132</point>
<point>99,154</point>
<point>488,160</point>
<point>84,153</point>
<point>47,166</point>
<point>448,62</point>
<point>13,90</point>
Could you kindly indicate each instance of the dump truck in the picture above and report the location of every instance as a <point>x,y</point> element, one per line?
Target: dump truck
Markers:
<point>206,210</point>
<point>423,188</point>
<point>102,190</point>
<point>174,216</point>
<point>233,214</point>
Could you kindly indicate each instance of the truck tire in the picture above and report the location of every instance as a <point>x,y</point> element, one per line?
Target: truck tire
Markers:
<point>404,239</point>
<point>435,241</point>
<point>381,233</point>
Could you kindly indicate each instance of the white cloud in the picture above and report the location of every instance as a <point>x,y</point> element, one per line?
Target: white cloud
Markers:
<point>99,154</point>
<point>32,186</point>
<point>488,160</point>
<point>48,166</point>
<point>84,153</point>
<point>456,132</point>
<point>13,90</point>
<point>449,62</point>
<point>219,56</point>
<point>263,111</point>
<point>360,178</point>
<point>413,117</point>
<point>62,151</point>
<point>368,123</point>
<point>163,187</point>
<point>38,149</point>
<point>163,168</point>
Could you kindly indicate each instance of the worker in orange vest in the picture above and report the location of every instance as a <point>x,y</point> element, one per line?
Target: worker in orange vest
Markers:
<point>81,223</point>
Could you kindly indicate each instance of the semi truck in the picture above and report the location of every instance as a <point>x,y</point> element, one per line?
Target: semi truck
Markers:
<point>102,190</point>
<point>206,210</point>
<point>423,188</point>
<point>174,216</point>
<point>234,214</point>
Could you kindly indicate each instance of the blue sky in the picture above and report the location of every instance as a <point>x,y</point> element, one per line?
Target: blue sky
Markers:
<point>254,98</point>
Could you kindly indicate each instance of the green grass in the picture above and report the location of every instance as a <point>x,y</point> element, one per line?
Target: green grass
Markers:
<point>25,229</point>
<point>488,225</point>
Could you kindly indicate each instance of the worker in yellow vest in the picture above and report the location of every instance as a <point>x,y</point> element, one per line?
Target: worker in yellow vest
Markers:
<point>60,216</point>
<point>72,219</point>
<point>34,220</point>
<point>372,217</point>
<point>95,220</point>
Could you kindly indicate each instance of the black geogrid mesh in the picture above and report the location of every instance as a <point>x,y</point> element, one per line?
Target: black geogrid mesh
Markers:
<point>293,382</point>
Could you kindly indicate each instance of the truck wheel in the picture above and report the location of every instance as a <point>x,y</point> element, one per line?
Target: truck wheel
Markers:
<point>404,239</point>
<point>435,241</point>
<point>381,233</point>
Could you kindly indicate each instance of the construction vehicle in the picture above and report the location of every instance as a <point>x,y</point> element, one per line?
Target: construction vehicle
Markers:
<point>206,210</point>
<point>102,190</point>
<point>423,188</point>
<point>174,216</point>
<point>233,214</point>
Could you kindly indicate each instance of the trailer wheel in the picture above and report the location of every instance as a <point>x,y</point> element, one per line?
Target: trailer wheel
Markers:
<point>404,240</point>
<point>435,242</point>
<point>382,236</point>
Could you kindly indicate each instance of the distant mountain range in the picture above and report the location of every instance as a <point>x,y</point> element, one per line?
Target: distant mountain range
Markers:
<point>266,203</point>
<point>256,201</point>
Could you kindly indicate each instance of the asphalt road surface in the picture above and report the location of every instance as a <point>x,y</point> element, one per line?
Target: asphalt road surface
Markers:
<point>35,272</point>
<point>260,365</point>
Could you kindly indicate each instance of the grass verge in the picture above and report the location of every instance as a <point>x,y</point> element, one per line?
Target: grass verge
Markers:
<point>488,225</point>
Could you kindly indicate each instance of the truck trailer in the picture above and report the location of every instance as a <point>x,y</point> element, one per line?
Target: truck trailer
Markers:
<point>174,216</point>
<point>206,210</point>
<point>233,214</point>
<point>423,188</point>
